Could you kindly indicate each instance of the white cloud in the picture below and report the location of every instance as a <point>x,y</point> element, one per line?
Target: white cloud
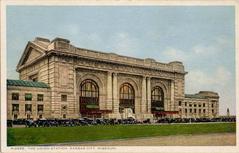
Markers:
<point>199,52</point>
<point>174,54</point>
<point>222,76</point>
<point>124,44</point>
<point>219,45</point>
<point>224,42</point>
<point>70,29</point>
<point>199,80</point>
<point>90,41</point>
<point>94,37</point>
<point>220,80</point>
<point>204,50</point>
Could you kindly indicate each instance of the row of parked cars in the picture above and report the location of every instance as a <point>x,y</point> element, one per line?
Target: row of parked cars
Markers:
<point>69,122</point>
<point>99,121</point>
<point>195,120</point>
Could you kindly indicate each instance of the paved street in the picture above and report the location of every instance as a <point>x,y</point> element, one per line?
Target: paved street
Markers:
<point>218,139</point>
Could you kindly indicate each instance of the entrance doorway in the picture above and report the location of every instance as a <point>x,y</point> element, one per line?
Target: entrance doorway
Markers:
<point>127,98</point>
<point>157,102</point>
<point>89,99</point>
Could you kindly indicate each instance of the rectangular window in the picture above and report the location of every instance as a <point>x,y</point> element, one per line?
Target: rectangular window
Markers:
<point>15,107</point>
<point>63,97</point>
<point>28,97</point>
<point>203,104</point>
<point>28,107</point>
<point>190,105</point>
<point>40,97</point>
<point>15,96</point>
<point>200,111</point>
<point>179,103</point>
<point>186,111</point>
<point>212,105</point>
<point>190,110</point>
<point>195,110</point>
<point>195,105</point>
<point>213,111</point>
<point>204,111</point>
<point>40,108</point>
<point>185,103</point>
<point>199,105</point>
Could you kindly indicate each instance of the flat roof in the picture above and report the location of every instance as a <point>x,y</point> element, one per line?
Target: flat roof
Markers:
<point>194,96</point>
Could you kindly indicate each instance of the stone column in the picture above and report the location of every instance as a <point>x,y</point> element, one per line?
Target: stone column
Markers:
<point>115,94</point>
<point>109,91</point>
<point>144,92</point>
<point>148,95</point>
<point>75,88</point>
<point>171,104</point>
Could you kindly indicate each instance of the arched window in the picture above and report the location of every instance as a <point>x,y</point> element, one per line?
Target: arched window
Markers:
<point>89,97</point>
<point>157,99</point>
<point>126,97</point>
<point>89,89</point>
<point>126,91</point>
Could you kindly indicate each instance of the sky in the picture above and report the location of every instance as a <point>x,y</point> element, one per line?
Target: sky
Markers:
<point>202,37</point>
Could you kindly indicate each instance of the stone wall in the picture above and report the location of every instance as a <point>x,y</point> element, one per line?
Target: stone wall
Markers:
<point>64,67</point>
<point>204,101</point>
<point>34,91</point>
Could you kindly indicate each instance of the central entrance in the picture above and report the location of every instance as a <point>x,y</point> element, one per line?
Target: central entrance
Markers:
<point>89,99</point>
<point>157,102</point>
<point>127,98</point>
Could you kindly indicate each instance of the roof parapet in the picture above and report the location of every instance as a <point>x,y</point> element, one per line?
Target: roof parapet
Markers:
<point>177,65</point>
<point>208,94</point>
<point>203,94</point>
<point>58,39</point>
<point>42,39</point>
<point>59,44</point>
<point>64,46</point>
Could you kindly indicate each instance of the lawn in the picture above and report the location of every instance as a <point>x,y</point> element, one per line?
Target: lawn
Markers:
<point>33,136</point>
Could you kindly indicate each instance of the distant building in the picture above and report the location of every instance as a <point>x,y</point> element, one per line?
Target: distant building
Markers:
<point>85,83</point>
<point>202,104</point>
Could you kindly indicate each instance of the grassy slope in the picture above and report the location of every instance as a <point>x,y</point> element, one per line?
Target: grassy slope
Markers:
<point>27,136</point>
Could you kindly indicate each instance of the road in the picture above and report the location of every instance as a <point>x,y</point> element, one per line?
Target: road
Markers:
<point>217,139</point>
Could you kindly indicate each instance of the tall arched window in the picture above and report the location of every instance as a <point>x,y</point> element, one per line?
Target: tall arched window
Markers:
<point>89,96</point>
<point>89,89</point>
<point>126,97</point>
<point>157,99</point>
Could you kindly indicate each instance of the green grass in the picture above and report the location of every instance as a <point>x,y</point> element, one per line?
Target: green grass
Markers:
<point>32,136</point>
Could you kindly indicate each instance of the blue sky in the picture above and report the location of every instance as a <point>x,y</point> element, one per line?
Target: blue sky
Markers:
<point>202,37</point>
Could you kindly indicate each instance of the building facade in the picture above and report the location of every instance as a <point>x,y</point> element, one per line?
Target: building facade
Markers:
<point>90,83</point>
<point>204,104</point>
<point>27,99</point>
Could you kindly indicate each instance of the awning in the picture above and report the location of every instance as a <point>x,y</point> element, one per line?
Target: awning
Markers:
<point>96,111</point>
<point>92,106</point>
<point>159,108</point>
<point>165,112</point>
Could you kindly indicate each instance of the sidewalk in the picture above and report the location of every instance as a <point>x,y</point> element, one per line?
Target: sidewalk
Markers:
<point>217,139</point>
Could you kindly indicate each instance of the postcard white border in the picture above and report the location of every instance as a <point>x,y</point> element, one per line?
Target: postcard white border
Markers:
<point>116,3</point>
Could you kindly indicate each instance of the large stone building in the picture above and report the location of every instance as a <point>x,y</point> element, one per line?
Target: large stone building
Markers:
<point>27,99</point>
<point>200,105</point>
<point>84,82</point>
